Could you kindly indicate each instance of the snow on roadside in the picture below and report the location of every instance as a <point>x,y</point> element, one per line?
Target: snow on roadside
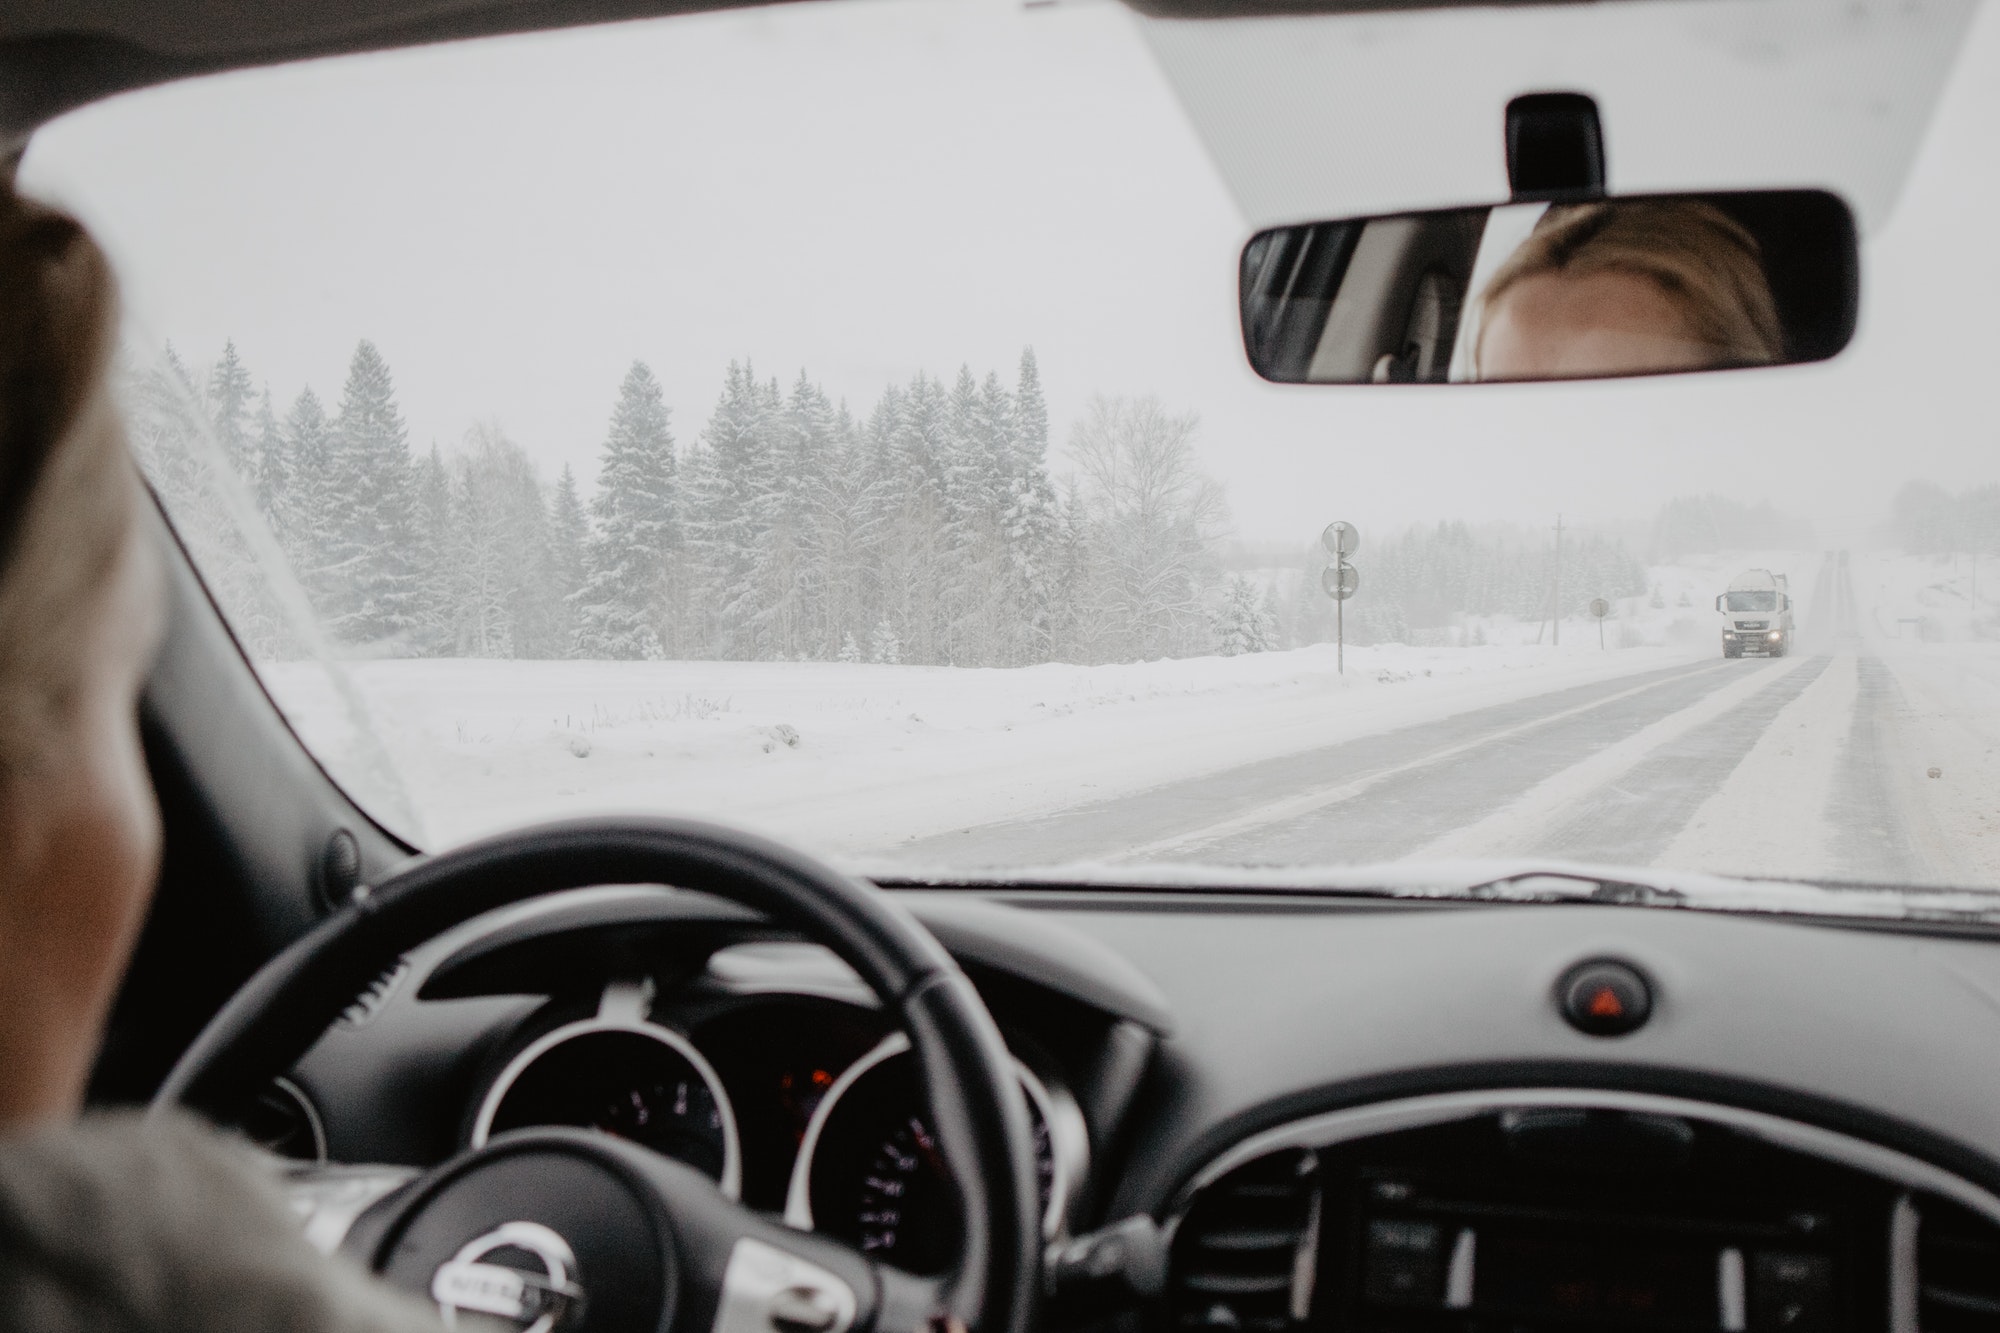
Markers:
<point>1949,722</point>
<point>1771,816</point>
<point>853,758</point>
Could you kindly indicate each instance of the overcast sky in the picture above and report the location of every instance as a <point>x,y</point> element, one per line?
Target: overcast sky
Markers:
<point>872,188</point>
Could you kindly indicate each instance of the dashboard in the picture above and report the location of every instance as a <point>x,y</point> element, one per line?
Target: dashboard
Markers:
<point>1333,1113</point>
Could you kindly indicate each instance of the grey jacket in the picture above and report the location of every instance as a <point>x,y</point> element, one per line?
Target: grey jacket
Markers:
<point>115,1225</point>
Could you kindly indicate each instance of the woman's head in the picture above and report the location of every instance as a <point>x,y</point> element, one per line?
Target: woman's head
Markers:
<point>80,618</point>
<point>1623,288</point>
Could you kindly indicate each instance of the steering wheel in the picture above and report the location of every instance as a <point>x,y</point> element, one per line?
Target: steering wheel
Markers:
<point>607,1236</point>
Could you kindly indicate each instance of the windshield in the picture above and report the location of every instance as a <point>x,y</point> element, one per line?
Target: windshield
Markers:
<point>834,419</point>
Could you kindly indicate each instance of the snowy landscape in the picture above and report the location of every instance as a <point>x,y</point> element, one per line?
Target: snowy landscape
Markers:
<point>919,640</point>
<point>916,768</point>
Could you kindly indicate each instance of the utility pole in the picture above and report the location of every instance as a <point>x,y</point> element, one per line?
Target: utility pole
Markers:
<point>1556,615</point>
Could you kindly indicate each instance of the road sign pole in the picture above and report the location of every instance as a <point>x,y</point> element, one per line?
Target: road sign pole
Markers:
<point>1340,582</point>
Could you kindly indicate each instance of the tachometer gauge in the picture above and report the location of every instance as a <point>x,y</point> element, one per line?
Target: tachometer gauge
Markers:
<point>636,1079</point>
<point>870,1172</point>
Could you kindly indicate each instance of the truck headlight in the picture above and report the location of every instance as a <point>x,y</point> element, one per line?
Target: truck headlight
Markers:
<point>1776,635</point>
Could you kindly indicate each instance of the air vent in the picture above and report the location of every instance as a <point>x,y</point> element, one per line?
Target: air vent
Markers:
<point>1243,1256</point>
<point>1958,1270</point>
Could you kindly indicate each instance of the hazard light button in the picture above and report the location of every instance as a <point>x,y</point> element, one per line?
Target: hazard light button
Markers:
<point>1605,997</point>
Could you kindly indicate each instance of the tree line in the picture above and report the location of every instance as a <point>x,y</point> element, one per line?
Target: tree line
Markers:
<point>928,530</point>
<point>1433,575</point>
<point>1926,519</point>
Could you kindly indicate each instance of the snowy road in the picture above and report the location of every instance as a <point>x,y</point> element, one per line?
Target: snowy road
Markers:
<point>1810,765</point>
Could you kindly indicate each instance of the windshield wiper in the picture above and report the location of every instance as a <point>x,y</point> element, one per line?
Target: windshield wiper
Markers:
<point>1576,886</point>
<point>1498,881</point>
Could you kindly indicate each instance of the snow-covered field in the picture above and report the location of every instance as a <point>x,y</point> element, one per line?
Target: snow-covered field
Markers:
<point>852,758</point>
<point>1820,765</point>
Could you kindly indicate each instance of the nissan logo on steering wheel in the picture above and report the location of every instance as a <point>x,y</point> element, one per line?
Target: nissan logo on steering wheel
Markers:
<point>522,1272</point>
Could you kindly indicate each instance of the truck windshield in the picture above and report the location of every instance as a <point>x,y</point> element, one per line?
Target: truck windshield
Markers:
<point>1753,601</point>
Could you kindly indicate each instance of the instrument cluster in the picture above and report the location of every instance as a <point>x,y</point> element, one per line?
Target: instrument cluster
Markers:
<point>795,1104</point>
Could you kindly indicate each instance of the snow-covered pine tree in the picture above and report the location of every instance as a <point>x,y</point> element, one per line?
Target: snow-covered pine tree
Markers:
<point>975,457</point>
<point>377,600</point>
<point>500,551</point>
<point>884,646</point>
<point>569,538</point>
<point>843,593</point>
<point>916,550</point>
<point>1072,634</point>
<point>636,542</point>
<point>1031,523</point>
<point>438,557</point>
<point>274,465</point>
<point>174,439</point>
<point>302,513</point>
<point>1273,609</point>
<point>815,522</point>
<point>733,485</point>
<point>231,399</point>
<point>1241,623</point>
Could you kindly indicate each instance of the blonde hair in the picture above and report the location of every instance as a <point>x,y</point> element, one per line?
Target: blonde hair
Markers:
<point>68,493</point>
<point>1705,261</point>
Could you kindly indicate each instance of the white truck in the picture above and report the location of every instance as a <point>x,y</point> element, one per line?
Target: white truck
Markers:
<point>1756,614</point>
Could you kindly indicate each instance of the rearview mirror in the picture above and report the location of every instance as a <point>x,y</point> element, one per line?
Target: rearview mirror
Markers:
<point>1598,289</point>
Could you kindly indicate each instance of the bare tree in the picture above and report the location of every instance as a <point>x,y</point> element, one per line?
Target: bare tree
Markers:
<point>1154,520</point>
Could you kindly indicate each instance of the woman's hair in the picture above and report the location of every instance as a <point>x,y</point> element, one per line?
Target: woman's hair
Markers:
<point>1703,259</point>
<point>68,493</point>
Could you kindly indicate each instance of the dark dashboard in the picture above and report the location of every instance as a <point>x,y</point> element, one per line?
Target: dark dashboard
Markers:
<point>1334,1113</point>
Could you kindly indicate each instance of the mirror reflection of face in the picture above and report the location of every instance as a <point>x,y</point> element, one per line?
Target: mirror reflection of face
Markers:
<point>1557,326</point>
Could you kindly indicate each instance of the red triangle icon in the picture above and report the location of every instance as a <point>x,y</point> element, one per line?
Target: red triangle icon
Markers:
<point>1606,1004</point>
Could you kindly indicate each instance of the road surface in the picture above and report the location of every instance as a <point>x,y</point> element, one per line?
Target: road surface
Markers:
<point>1811,766</point>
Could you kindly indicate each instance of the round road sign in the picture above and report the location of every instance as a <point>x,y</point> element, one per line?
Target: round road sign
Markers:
<point>1340,538</point>
<point>1599,607</point>
<point>1340,580</point>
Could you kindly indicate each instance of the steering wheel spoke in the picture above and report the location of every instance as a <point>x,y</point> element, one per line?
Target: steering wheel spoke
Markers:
<point>911,1304</point>
<point>329,1198</point>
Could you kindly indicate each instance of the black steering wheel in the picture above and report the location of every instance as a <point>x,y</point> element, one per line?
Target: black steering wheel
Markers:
<point>609,1237</point>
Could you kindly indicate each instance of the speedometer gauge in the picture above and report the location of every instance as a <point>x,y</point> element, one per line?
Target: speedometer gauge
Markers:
<point>870,1172</point>
<point>637,1080</point>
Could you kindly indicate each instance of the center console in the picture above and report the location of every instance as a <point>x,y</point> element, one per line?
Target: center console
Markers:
<point>1632,1213</point>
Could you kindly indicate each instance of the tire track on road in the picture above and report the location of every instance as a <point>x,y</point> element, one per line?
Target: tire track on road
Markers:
<point>1207,818</point>
<point>1501,800</point>
<point>1635,819</point>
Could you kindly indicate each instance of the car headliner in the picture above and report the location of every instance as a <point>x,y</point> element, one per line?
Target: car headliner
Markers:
<point>60,54</point>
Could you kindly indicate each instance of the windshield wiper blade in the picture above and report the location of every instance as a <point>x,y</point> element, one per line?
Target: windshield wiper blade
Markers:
<point>1576,886</point>
<point>1496,881</point>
